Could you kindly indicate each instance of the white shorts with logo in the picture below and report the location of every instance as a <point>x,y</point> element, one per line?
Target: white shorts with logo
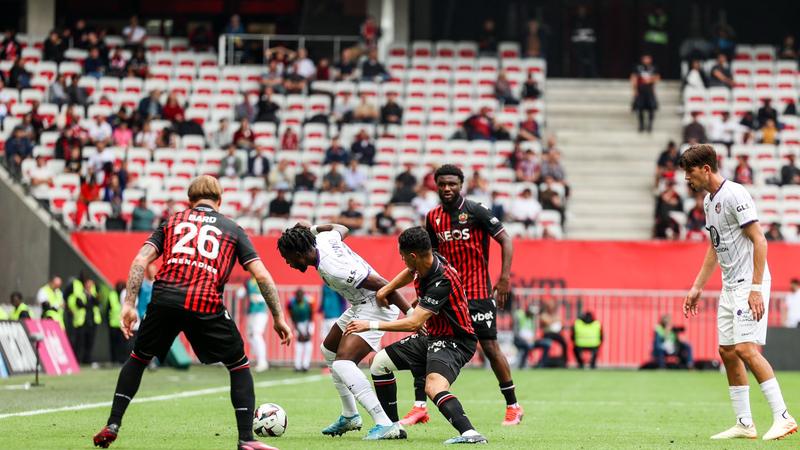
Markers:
<point>368,311</point>
<point>735,322</point>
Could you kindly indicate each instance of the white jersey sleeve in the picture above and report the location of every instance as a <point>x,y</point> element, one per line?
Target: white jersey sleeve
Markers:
<point>339,266</point>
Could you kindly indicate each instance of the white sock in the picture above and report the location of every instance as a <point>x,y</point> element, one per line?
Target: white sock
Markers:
<point>357,382</point>
<point>470,433</point>
<point>421,404</point>
<point>740,397</point>
<point>349,408</point>
<point>772,392</point>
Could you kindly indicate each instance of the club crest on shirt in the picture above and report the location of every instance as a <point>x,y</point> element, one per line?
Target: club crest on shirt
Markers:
<point>718,207</point>
<point>462,218</point>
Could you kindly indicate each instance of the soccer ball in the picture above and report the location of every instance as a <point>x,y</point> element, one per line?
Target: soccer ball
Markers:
<point>269,420</point>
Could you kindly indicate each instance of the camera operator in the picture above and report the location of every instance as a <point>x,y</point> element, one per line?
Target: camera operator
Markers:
<point>666,343</point>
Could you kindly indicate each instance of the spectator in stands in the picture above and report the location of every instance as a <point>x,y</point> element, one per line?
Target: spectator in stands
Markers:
<point>147,136</point>
<point>773,234</point>
<point>282,176</point>
<point>666,343</point>
<point>792,316</point>
<point>41,178</point>
<point>695,78</point>
<point>76,95</point>
<point>694,132</point>
<point>123,136</point>
<point>791,108</point>
<point>290,139</point>
<point>790,173</point>
<point>172,108</point>
<point>723,129</point>
<point>94,66</point>
<point>279,206</point>
<point>10,48</point>
<point>142,218</point>
<point>57,92</point>
<point>587,336</point>
<point>550,198</point>
<point>258,165</point>
<point>18,76</point>
<point>267,109</point>
<point>530,89</point>
<point>102,160</point>
<point>528,169</point>
<point>336,153</point>
<point>343,108</point>
<point>372,69</point>
<point>137,65</point>
<point>384,222</point>
<point>78,34</point>
<point>480,126</point>
<point>273,77</point>
<point>222,136</point>
<point>487,39</point>
<point>644,78</point>
<point>656,35</point>
<point>425,201</point>
<point>89,192</point>
<point>477,184</point>
<point>721,74</point>
<point>525,208</point>
<point>244,137</point>
<point>497,207</point>
<point>354,178</point>
<point>100,131</point>
<point>201,39</point>
<point>18,148</point>
<point>305,180</point>
<point>503,90</point>
<point>54,47</point>
<point>535,39</point>
<point>362,150</point>
<point>113,189</point>
<point>365,112</point>
<point>231,165</point>
<point>749,121</point>
<point>134,34</point>
<point>552,167</point>
<point>668,201</point>
<point>370,32</point>
<point>346,67</point>
<point>788,49</point>
<point>696,220</point>
<point>391,112</point>
<point>584,42</point>
<point>405,186</point>
<point>304,66</point>
<point>323,71</point>
<point>293,82</point>
<point>351,217</point>
<point>74,162</point>
<point>429,180</point>
<point>743,174</point>
<point>766,112</point>
<point>529,128</point>
<point>333,181</point>
<point>669,158</point>
<point>769,134</point>
<point>150,107</point>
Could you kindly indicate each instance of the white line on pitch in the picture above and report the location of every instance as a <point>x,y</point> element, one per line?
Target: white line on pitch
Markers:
<point>161,398</point>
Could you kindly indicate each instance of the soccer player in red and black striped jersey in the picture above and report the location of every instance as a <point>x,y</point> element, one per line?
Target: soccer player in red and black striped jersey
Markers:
<point>199,247</point>
<point>450,341</point>
<point>460,230</point>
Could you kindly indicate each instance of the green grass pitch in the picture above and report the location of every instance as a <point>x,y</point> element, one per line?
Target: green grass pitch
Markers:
<point>565,409</point>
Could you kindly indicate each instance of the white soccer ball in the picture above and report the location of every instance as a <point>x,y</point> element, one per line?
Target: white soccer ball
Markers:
<point>269,420</point>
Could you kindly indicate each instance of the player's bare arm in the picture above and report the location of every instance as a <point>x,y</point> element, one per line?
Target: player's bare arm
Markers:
<point>375,282</point>
<point>709,264</point>
<point>414,322</point>
<point>401,279</point>
<point>270,293</point>
<point>316,229</point>
<point>503,285</point>
<point>756,236</point>
<point>147,254</point>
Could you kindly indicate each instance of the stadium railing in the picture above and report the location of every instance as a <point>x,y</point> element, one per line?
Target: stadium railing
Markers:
<point>329,45</point>
<point>628,319</point>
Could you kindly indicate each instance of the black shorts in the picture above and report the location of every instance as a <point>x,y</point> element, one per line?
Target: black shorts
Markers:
<point>423,355</point>
<point>484,318</point>
<point>214,337</point>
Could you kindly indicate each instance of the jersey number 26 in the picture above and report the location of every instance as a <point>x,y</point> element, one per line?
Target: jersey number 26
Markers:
<point>205,238</point>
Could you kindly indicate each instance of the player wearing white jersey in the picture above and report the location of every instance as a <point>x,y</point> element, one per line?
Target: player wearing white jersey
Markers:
<point>738,245</point>
<point>348,274</point>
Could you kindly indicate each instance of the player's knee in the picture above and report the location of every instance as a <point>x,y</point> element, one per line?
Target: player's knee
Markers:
<point>382,364</point>
<point>341,365</point>
<point>327,354</point>
<point>745,352</point>
<point>490,348</point>
<point>727,351</point>
<point>434,384</point>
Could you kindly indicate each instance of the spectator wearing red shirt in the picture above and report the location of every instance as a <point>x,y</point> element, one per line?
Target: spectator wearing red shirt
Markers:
<point>290,140</point>
<point>244,136</point>
<point>479,126</point>
<point>696,221</point>
<point>529,128</point>
<point>172,108</point>
<point>10,49</point>
<point>370,32</point>
<point>323,70</point>
<point>743,174</point>
<point>89,192</point>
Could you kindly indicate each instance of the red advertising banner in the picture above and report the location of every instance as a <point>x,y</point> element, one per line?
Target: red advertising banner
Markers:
<point>573,264</point>
<point>55,352</point>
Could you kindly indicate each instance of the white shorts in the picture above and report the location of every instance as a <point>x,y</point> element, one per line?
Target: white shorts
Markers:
<point>368,312</point>
<point>735,322</point>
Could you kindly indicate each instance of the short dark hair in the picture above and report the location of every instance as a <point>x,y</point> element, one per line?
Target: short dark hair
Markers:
<point>699,155</point>
<point>297,239</point>
<point>414,239</point>
<point>16,295</point>
<point>449,169</point>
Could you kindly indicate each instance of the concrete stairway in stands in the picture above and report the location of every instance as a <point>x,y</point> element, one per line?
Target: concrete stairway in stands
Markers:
<point>610,166</point>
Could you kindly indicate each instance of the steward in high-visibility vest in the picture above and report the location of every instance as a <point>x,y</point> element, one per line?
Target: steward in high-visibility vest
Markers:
<point>21,310</point>
<point>51,300</point>
<point>587,336</point>
<point>83,296</point>
<point>3,314</point>
<point>117,343</point>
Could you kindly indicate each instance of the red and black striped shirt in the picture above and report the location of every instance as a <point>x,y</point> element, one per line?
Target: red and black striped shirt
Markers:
<point>441,292</point>
<point>199,247</point>
<point>462,236</point>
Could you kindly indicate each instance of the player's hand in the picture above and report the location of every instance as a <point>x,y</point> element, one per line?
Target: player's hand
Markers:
<point>756,302</point>
<point>128,317</point>
<point>284,332</point>
<point>382,297</point>
<point>501,290</point>
<point>356,326</point>
<point>423,330</point>
<point>690,302</point>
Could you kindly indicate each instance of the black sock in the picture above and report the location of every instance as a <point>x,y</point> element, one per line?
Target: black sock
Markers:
<point>127,384</point>
<point>386,390</point>
<point>243,398</point>
<point>507,389</point>
<point>451,409</point>
<point>419,389</point>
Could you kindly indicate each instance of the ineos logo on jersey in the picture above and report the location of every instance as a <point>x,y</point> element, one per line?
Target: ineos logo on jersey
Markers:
<point>714,236</point>
<point>453,235</point>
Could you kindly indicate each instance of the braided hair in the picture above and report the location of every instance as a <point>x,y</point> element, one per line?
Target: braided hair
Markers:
<point>298,239</point>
